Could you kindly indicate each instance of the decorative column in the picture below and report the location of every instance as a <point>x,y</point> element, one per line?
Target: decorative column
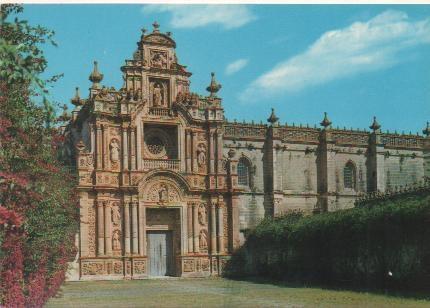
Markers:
<point>105,146</point>
<point>190,227</point>
<point>99,147</point>
<point>100,229</point>
<point>124,148</point>
<point>93,138</point>
<point>142,233</point>
<point>213,228</point>
<point>108,232</point>
<point>235,222</point>
<point>133,148</point>
<point>139,136</point>
<point>219,150</point>
<point>195,228</point>
<point>134,227</point>
<point>188,150</point>
<point>127,228</point>
<point>211,152</point>
<point>220,236</point>
<point>193,151</point>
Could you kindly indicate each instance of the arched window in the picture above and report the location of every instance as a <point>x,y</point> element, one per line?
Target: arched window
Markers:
<point>349,176</point>
<point>243,169</point>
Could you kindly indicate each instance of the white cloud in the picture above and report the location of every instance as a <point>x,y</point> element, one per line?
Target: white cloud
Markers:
<point>236,66</point>
<point>361,47</point>
<point>194,16</point>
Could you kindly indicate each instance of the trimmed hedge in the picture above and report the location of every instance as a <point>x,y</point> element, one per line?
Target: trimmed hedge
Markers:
<point>381,247</point>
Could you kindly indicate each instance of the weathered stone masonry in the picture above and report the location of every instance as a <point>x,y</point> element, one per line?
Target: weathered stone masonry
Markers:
<point>154,159</point>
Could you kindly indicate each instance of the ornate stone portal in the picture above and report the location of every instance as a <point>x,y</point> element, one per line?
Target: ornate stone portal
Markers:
<point>167,186</point>
<point>143,163</point>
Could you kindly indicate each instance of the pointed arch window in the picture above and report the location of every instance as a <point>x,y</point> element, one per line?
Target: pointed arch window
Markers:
<point>349,176</point>
<point>243,171</point>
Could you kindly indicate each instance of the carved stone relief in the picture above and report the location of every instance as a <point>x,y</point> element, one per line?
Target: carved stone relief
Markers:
<point>92,268</point>
<point>158,59</point>
<point>116,216</point>
<point>202,215</point>
<point>203,240</point>
<point>139,267</point>
<point>189,265</point>
<point>201,155</point>
<point>91,231</point>
<point>162,193</point>
<point>114,152</point>
<point>116,240</point>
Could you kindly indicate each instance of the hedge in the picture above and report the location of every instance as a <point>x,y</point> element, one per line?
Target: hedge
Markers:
<point>380,247</point>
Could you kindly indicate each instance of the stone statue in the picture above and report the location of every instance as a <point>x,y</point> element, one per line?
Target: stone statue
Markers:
<point>201,155</point>
<point>203,240</point>
<point>116,216</point>
<point>163,194</point>
<point>114,151</point>
<point>157,95</point>
<point>116,243</point>
<point>202,215</point>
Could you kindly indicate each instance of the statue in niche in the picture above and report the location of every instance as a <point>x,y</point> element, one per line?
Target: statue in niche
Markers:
<point>203,240</point>
<point>163,195</point>
<point>159,60</point>
<point>116,216</point>
<point>116,243</point>
<point>201,155</point>
<point>157,95</point>
<point>114,151</point>
<point>202,215</point>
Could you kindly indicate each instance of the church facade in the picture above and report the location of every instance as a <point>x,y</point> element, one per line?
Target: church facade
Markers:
<point>167,186</point>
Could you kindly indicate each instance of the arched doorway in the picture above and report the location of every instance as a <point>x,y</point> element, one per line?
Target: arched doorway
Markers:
<point>165,223</point>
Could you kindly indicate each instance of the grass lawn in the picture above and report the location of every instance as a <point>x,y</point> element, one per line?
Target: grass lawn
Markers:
<point>214,292</point>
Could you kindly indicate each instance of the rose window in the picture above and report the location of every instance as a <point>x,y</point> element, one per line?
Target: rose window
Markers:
<point>155,145</point>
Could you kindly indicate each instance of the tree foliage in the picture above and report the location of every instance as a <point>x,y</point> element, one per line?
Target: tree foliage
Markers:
<point>38,210</point>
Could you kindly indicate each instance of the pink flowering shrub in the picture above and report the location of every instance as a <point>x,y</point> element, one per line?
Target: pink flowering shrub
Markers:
<point>38,208</point>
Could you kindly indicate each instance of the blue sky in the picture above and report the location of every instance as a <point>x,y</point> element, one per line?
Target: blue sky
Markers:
<point>353,61</point>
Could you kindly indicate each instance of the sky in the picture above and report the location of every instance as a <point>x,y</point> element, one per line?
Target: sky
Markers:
<point>351,61</point>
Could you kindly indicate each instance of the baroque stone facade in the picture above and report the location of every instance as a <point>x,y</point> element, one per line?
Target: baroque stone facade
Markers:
<point>160,168</point>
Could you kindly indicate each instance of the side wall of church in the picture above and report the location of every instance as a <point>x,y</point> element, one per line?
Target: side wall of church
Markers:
<point>295,170</point>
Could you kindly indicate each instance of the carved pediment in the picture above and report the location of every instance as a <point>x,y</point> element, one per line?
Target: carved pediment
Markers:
<point>159,39</point>
<point>162,191</point>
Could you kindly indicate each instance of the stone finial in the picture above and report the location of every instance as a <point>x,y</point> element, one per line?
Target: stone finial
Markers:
<point>77,99</point>
<point>64,117</point>
<point>272,118</point>
<point>426,131</point>
<point>156,27</point>
<point>96,77</point>
<point>375,125</point>
<point>214,87</point>
<point>325,122</point>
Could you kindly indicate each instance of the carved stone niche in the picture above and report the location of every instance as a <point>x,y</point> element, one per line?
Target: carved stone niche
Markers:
<point>159,93</point>
<point>201,156</point>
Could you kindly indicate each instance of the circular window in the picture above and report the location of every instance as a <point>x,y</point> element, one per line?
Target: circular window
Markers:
<point>155,145</point>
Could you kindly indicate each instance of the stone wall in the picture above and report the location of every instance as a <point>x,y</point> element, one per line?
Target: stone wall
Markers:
<point>302,168</point>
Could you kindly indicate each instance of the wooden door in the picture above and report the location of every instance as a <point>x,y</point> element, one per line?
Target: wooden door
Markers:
<point>160,253</point>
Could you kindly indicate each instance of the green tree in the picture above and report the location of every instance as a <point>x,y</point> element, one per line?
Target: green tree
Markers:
<point>38,210</point>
